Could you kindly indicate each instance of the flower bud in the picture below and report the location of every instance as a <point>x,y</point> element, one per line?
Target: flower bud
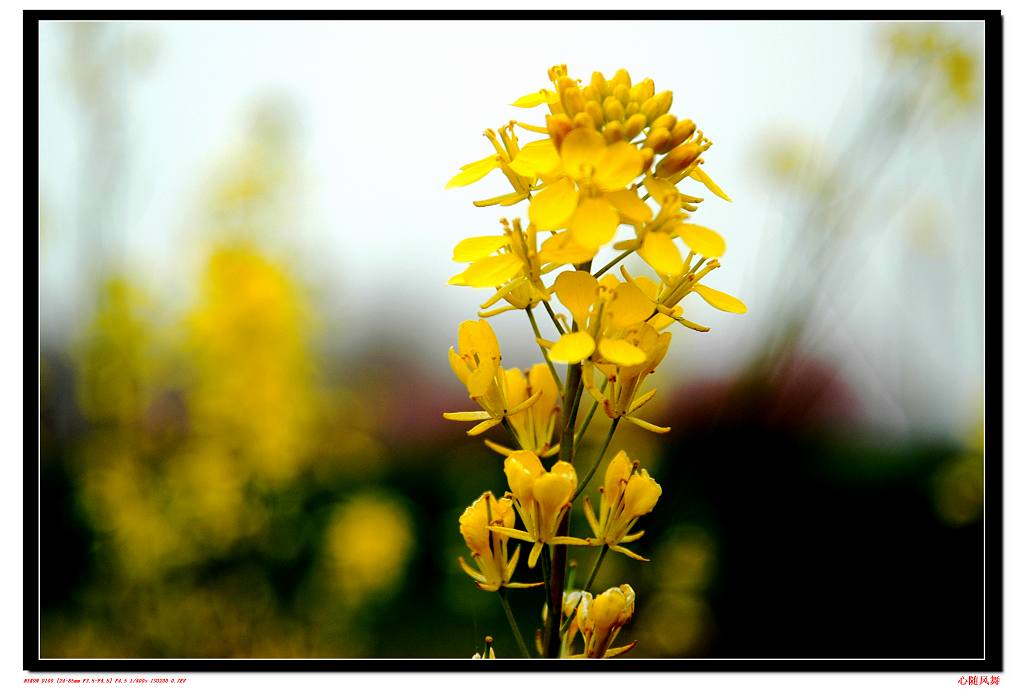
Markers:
<point>632,108</point>
<point>634,125</point>
<point>559,127</point>
<point>658,139</point>
<point>597,81</point>
<point>583,120</point>
<point>657,105</point>
<point>668,121</point>
<point>682,131</point>
<point>614,132</point>
<point>621,78</point>
<point>621,93</point>
<point>678,159</point>
<point>613,109</point>
<point>647,157</point>
<point>642,91</point>
<point>595,112</point>
<point>572,100</point>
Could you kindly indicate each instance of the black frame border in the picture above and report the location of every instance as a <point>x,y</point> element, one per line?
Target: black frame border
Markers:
<point>994,394</point>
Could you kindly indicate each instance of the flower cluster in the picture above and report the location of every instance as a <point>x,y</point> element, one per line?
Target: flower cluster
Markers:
<point>609,156</point>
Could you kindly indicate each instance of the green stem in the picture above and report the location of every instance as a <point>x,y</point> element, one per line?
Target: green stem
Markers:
<point>600,272</point>
<point>586,588</point>
<point>554,319</point>
<point>590,415</point>
<point>503,596</point>
<point>543,350</point>
<point>598,459</point>
<point>511,430</point>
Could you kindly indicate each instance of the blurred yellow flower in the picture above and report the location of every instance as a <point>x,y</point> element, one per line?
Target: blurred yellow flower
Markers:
<point>254,383</point>
<point>369,539</point>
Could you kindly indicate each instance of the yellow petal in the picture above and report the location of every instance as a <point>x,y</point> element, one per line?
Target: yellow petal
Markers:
<point>562,249</point>
<point>471,249</point>
<point>662,254</point>
<point>472,172</point>
<point>700,176</point>
<point>578,291</point>
<point>522,468</point>
<point>572,347</point>
<point>535,158</point>
<point>641,495</point>
<point>553,206</point>
<point>535,99</point>
<point>629,205</point>
<point>581,151</point>
<point>478,338</point>
<point>621,352</point>
<point>719,300</point>
<point>659,189</point>
<point>627,306</point>
<point>490,272</point>
<point>702,240</point>
<point>594,222</point>
<point>618,166</point>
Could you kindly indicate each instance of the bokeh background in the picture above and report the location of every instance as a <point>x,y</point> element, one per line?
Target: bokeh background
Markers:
<point>244,319</point>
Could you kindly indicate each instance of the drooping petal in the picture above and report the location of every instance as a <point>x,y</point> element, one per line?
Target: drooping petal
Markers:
<point>483,427</point>
<point>702,240</point>
<point>662,254</point>
<point>535,159</point>
<point>702,177</point>
<point>472,172</point>
<point>554,205</point>
<point>621,352</point>
<point>471,249</point>
<point>594,222</point>
<point>720,300</point>
<point>620,164</point>
<point>577,290</point>
<point>572,347</point>
<point>582,151</point>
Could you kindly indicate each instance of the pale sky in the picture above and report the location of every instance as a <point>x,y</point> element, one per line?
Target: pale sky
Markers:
<point>387,112</point>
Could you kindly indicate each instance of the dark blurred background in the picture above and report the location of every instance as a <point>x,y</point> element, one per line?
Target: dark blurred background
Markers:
<point>242,450</point>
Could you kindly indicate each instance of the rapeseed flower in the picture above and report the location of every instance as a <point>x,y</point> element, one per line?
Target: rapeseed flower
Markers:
<point>478,367</point>
<point>625,496</point>
<point>601,618</point>
<point>534,426</point>
<point>489,549</point>
<point>541,497</point>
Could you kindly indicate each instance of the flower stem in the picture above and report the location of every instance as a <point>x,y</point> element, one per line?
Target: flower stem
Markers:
<point>598,459</point>
<point>543,350</point>
<point>586,588</point>
<point>554,319</point>
<point>590,414</point>
<point>511,430</point>
<point>600,272</point>
<point>503,596</point>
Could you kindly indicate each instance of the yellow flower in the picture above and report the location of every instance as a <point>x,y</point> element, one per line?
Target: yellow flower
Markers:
<point>490,549</point>
<point>625,496</point>
<point>620,400</point>
<point>593,197</point>
<point>506,147</point>
<point>509,262</point>
<point>600,619</point>
<point>478,367</point>
<point>535,425</point>
<point>541,498</point>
